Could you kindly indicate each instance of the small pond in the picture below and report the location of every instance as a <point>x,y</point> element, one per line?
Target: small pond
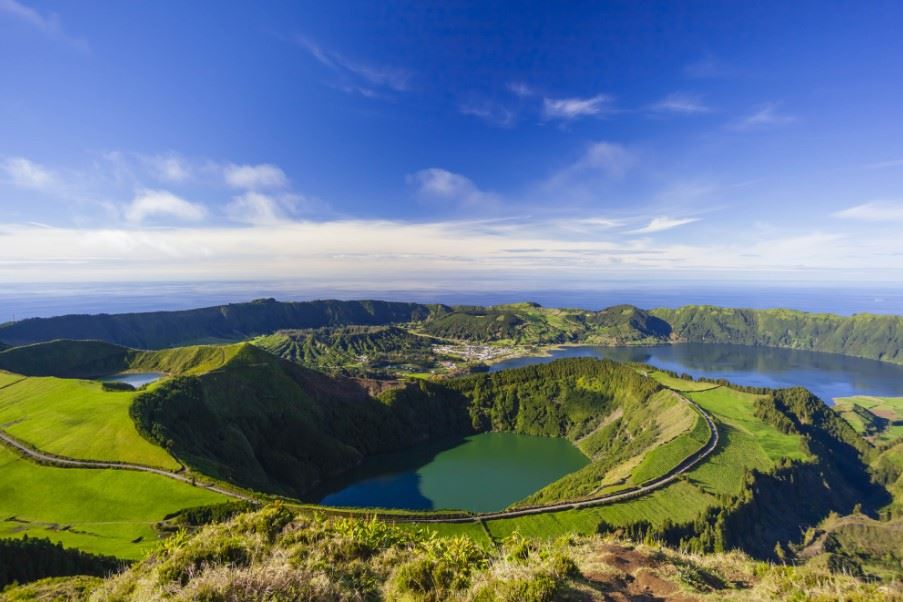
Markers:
<point>136,379</point>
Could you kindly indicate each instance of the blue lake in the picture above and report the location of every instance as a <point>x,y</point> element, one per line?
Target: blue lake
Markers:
<point>826,374</point>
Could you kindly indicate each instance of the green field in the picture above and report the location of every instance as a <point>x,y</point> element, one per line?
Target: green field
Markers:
<point>75,418</point>
<point>102,511</point>
<point>669,455</point>
<point>880,418</point>
<point>746,443</point>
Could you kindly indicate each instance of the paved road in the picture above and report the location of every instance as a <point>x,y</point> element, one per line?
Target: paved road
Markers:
<point>62,462</point>
<point>642,490</point>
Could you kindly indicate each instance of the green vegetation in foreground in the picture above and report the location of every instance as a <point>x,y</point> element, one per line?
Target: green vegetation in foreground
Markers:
<point>77,419</point>
<point>880,419</point>
<point>108,512</point>
<point>274,555</point>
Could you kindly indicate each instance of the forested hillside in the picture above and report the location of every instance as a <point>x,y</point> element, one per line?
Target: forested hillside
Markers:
<point>864,335</point>
<point>155,330</point>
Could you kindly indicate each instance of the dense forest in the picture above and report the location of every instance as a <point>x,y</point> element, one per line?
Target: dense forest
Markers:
<point>27,559</point>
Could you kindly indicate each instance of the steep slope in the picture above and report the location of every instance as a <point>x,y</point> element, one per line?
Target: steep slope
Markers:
<point>155,330</point>
<point>863,335</point>
<point>269,424</point>
<point>66,359</point>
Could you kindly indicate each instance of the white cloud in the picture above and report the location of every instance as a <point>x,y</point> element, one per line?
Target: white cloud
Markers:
<point>681,103</point>
<point>765,116</point>
<point>357,76</point>
<point>440,184</point>
<point>169,167</point>
<point>253,177</point>
<point>48,25</point>
<point>610,158</point>
<point>255,208</point>
<point>161,203</point>
<point>395,254</point>
<point>662,223</point>
<point>28,174</point>
<point>875,211</point>
<point>574,108</point>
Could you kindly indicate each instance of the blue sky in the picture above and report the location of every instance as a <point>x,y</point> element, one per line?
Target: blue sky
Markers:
<point>465,146</point>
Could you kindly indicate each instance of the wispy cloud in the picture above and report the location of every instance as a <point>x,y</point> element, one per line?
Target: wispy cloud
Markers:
<point>437,184</point>
<point>48,24</point>
<point>885,164</point>
<point>161,203</point>
<point>491,112</point>
<point>662,223</point>
<point>253,177</point>
<point>681,103</point>
<point>520,89</point>
<point>765,116</point>
<point>875,211</point>
<point>567,109</point>
<point>169,167</point>
<point>705,68</point>
<point>355,76</point>
<point>24,173</point>
<point>256,208</point>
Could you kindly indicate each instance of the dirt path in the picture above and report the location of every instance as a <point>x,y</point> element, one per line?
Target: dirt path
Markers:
<point>62,462</point>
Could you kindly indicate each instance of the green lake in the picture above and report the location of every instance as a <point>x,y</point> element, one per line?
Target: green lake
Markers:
<point>481,473</point>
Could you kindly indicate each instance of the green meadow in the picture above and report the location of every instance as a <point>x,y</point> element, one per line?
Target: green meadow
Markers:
<point>76,418</point>
<point>102,511</point>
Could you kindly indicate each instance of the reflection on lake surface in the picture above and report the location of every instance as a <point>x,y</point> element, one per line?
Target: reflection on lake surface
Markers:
<point>827,375</point>
<point>481,473</point>
<point>136,379</point>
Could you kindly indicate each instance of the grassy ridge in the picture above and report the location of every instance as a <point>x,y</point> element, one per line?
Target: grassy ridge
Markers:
<point>76,418</point>
<point>109,512</point>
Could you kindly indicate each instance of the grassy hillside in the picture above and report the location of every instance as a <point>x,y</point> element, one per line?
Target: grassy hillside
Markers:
<point>878,418</point>
<point>75,418</point>
<point>109,512</point>
<point>863,335</point>
<point>156,330</point>
<point>66,359</point>
<point>273,555</point>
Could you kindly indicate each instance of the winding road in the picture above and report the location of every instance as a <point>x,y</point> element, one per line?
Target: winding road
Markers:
<point>648,487</point>
<point>62,462</point>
